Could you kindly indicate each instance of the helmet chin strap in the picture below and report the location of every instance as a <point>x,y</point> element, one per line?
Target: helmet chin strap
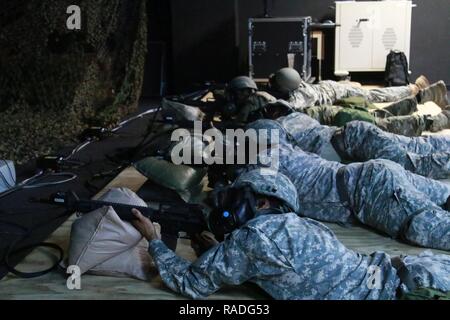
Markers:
<point>260,212</point>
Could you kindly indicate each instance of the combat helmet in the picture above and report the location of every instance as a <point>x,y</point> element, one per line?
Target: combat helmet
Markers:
<point>286,80</point>
<point>270,183</point>
<point>242,82</point>
<point>236,204</point>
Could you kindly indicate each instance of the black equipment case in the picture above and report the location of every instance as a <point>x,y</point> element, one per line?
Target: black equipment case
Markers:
<point>275,43</point>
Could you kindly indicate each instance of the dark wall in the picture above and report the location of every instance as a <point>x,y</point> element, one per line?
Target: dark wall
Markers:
<point>159,41</point>
<point>203,41</point>
<point>210,36</point>
<point>430,39</point>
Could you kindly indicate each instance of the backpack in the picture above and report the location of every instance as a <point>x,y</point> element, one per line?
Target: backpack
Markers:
<point>396,72</point>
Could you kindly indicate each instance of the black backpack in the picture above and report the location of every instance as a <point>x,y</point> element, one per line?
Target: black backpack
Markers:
<point>396,73</point>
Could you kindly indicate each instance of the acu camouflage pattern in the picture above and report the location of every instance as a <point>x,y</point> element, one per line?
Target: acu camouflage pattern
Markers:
<point>441,121</point>
<point>270,183</point>
<point>381,194</point>
<point>309,134</point>
<point>425,271</point>
<point>377,193</point>
<point>410,125</point>
<point>427,156</point>
<point>279,253</point>
<point>328,92</point>
<point>315,181</point>
<point>55,82</point>
<point>396,118</point>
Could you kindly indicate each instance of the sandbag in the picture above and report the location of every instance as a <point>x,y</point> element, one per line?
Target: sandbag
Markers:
<point>179,111</point>
<point>185,180</point>
<point>103,244</point>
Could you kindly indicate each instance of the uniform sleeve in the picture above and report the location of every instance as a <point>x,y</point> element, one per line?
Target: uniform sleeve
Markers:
<point>225,264</point>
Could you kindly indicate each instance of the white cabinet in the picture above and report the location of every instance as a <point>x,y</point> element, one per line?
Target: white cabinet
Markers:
<point>368,31</point>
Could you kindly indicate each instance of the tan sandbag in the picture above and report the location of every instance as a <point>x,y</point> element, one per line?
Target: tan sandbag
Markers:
<point>135,262</point>
<point>104,244</point>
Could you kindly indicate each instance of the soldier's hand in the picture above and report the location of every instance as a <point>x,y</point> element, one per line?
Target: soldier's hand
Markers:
<point>148,229</point>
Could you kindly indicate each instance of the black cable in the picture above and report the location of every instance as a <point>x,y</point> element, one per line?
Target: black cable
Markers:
<point>31,182</point>
<point>29,275</point>
<point>27,232</point>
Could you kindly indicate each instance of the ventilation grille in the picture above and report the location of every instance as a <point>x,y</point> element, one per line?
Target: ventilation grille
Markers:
<point>389,39</point>
<point>355,37</point>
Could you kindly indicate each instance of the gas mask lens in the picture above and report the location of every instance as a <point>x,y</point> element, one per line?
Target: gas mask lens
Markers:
<point>233,210</point>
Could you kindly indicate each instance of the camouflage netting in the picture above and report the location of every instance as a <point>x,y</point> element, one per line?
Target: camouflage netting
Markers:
<point>55,82</point>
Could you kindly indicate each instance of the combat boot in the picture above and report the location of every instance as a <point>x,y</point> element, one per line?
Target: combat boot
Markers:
<point>422,82</point>
<point>403,107</point>
<point>436,93</point>
<point>440,121</point>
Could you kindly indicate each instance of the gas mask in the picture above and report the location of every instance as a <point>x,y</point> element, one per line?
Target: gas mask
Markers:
<point>232,209</point>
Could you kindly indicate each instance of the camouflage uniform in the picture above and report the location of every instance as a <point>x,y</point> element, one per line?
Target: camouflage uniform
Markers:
<point>407,125</point>
<point>383,195</point>
<point>378,193</point>
<point>426,156</point>
<point>328,92</point>
<point>397,119</point>
<point>293,258</point>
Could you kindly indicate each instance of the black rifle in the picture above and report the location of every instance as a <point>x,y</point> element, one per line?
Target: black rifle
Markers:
<point>198,98</point>
<point>205,124</point>
<point>173,219</point>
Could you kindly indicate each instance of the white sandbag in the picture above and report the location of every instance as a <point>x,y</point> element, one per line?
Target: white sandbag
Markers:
<point>100,242</point>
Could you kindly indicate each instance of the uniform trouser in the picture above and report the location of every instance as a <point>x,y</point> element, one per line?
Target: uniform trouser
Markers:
<point>333,91</point>
<point>426,156</point>
<point>382,195</point>
<point>408,125</point>
<point>426,270</point>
